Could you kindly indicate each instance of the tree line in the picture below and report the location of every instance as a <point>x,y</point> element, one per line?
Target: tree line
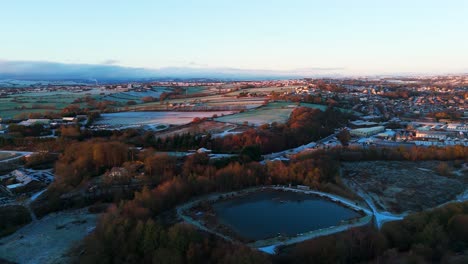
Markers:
<point>304,125</point>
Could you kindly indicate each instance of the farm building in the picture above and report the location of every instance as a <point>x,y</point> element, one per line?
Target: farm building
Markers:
<point>362,123</point>
<point>69,119</point>
<point>203,150</point>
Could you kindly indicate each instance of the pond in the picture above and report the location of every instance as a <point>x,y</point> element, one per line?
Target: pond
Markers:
<point>265,214</point>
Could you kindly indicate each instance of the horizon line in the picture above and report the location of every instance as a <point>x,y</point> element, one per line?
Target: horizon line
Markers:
<point>35,70</point>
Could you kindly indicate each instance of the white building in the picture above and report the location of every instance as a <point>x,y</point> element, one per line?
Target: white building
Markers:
<point>367,131</point>
<point>431,134</point>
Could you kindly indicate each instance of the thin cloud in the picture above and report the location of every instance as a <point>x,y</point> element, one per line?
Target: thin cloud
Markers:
<point>110,62</point>
<point>196,64</point>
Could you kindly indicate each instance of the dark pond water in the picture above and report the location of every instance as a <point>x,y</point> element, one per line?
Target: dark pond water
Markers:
<point>264,214</point>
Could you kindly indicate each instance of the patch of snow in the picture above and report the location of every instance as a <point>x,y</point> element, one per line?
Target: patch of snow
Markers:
<point>34,196</point>
<point>42,242</point>
<point>380,217</point>
<point>225,133</point>
<point>269,249</point>
<point>463,196</point>
<point>424,169</point>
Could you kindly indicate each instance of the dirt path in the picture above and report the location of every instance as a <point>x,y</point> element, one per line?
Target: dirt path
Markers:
<point>27,204</point>
<point>379,217</point>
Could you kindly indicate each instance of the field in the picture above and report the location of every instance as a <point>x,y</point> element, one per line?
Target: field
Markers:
<point>47,240</point>
<point>324,107</point>
<point>196,90</point>
<point>124,97</point>
<point>263,90</point>
<point>316,106</point>
<point>40,102</point>
<point>231,102</point>
<point>10,108</point>
<point>212,101</point>
<point>155,120</point>
<point>403,186</point>
<point>204,127</point>
<point>273,112</point>
<point>198,98</point>
<point>54,101</point>
<point>5,155</point>
<point>11,83</point>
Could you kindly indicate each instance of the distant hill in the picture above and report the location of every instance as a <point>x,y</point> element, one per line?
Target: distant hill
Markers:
<point>53,71</point>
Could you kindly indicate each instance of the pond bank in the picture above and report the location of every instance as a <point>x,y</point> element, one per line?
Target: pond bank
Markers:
<point>279,240</point>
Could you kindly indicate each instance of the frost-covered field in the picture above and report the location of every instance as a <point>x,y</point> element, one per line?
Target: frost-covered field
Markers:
<point>26,83</point>
<point>6,155</point>
<point>42,101</point>
<point>136,95</point>
<point>134,119</point>
<point>47,240</point>
<point>54,101</point>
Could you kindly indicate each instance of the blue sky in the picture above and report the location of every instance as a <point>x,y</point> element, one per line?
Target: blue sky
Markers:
<point>359,37</point>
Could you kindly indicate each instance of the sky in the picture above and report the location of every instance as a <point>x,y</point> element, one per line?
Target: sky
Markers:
<point>361,37</point>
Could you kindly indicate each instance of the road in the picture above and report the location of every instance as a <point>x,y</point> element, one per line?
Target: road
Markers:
<point>27,203</point>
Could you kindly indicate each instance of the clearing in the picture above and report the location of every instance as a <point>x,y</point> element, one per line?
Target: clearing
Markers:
<point>403,186</point>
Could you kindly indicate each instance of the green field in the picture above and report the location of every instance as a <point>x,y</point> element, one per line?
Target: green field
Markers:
<point>54,101</point>
<point>324,107</point>
<point>26,103</point>
<point>22,104</point>
<point>196,90</point>
<point>265,90</point>
<point>273,112</point>
<point>316,106</point>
